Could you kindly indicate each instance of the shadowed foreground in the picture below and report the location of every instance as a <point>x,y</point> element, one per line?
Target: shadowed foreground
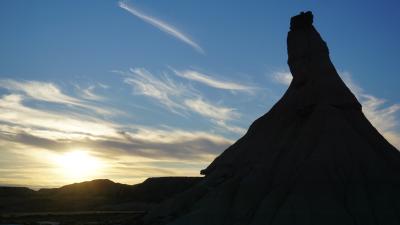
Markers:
<point>314,158</point>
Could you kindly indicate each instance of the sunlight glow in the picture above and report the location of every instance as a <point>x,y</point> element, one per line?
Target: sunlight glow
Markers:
<point>78,165</point>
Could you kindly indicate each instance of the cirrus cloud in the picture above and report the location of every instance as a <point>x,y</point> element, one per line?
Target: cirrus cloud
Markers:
<point>180,98</point>
<point>163,26</point>
<point>213,82</point>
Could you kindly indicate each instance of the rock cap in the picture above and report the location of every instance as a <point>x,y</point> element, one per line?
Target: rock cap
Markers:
<point>302,21</point>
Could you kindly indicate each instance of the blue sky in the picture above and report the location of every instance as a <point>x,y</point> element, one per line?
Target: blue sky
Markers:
<point>157,88</point>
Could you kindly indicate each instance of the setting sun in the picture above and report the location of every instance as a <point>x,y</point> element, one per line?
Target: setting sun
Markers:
<point>78,165</point>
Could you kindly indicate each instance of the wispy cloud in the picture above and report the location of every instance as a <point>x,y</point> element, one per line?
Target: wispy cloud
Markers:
<point>180,99</point>
<point>218,113</point>
<point>282,77</point>
<point>163,26</point>
<point>145,142</point>
<point>163,90</point>
<point>231,128</point>
<point>89,92</point>
<point>213,82</point>
<point>49,92</point>
<point>42,91</point>
<point>13,111</point>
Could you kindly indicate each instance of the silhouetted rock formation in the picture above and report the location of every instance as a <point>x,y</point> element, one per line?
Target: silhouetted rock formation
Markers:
<point>314,158</point>
<point>99,194</point>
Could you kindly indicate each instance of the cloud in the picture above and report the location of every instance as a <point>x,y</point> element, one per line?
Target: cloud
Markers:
<point>132,155</point>
<point>212,82</point>
<point>231,128</point>
<point>163,26</point>
<point>219,115</point>
<point>284,78</point>
<point>13,111</point>
<point>180,99</point>
<point>42,91</point>
<point>48,92</point>
<point>89,94</point>
<point>164,89</point>
<point>151,143</point>
<point>211,111</point>
<point>169,144</point>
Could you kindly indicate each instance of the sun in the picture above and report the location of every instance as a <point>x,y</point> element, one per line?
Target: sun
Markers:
<point>78,165</point>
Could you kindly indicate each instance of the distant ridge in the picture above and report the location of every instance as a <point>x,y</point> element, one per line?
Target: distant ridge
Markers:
<point>100,194</point>
<point>15,191</point>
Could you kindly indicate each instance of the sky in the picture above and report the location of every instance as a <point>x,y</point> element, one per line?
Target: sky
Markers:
<point>127,90</point>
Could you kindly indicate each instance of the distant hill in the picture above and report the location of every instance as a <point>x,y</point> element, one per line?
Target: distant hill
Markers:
<point>101,194</point>
<point>16,191</point>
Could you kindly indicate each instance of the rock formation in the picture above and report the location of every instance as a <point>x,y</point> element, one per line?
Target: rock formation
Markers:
<point>314,158</point>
